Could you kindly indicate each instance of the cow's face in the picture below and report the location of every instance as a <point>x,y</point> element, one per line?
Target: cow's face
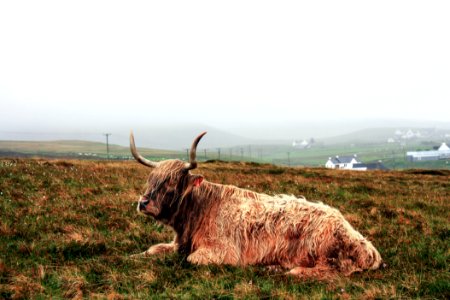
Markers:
<point>168,185</point>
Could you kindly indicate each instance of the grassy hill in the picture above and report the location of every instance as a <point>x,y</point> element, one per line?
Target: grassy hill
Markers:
<point>81,149</point>
<point>381,134</point>
<point>68,227</point>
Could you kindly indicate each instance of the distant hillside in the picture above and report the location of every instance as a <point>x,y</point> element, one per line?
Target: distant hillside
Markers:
<point>381,135</point>
<point>74,148</point>
<point>174,137</point>
<point>392,155</point>
<point>180,137</point>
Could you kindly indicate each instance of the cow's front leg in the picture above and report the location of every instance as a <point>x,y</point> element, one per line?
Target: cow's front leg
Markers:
<point>205,256</point>
<point>158,248</point>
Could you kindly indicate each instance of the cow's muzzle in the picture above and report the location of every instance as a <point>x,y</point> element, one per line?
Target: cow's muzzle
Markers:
<point>147,207</point>
<point>142,205</point>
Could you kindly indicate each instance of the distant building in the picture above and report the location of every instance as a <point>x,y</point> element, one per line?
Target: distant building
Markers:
<point>369,166</point>
<point>390,140</point>
<point>408,135</point>
<point>342,162</point>
<point>301,145</point>
<point>443,152</point>
<point>444,147</point>
<point>352,163</point>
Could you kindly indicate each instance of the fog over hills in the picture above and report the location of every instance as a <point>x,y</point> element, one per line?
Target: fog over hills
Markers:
<point>248,72</point>
<point>180,136</point>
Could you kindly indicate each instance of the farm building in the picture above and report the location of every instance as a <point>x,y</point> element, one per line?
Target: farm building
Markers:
<point>369,166</point>
<point>301,145</point>
<point>442,153</point>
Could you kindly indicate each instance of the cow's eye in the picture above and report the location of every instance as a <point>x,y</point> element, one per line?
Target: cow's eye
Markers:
<point>150,195</point>
<point>158,188</point>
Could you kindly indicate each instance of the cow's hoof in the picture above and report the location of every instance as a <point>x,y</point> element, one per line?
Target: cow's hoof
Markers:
<point>275,268</point>
<point>138,255</point>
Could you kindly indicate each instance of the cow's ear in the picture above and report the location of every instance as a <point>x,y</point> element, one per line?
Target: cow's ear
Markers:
<point>197,180</point>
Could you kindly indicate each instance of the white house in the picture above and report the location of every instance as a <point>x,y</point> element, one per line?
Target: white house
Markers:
<point>352,163</point>
<point>301,145</point>
<point>342,162</point>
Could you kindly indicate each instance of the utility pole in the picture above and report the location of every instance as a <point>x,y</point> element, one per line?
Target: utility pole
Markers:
<point>218,152</point>
<point>206,158</point>
<point>393,159</point>
<point>187,154</point>
<point>107,143</point>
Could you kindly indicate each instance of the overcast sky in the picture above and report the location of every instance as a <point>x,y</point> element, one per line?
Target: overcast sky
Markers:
<point>67,64</point>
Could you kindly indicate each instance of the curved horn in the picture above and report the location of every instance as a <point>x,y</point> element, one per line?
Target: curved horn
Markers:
<point>139,157</point>
<point>192,164</point>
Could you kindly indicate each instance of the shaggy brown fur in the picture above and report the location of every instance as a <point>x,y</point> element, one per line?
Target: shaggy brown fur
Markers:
<point>222,224</point>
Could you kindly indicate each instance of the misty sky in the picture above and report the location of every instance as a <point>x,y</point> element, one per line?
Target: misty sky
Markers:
<point>71,64</point>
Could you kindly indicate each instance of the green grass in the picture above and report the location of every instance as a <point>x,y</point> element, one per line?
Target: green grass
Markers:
<point>67,229</point>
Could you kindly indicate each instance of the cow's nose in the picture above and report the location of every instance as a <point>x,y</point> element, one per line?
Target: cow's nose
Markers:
<point>142,205</point>
<point>143,202</point>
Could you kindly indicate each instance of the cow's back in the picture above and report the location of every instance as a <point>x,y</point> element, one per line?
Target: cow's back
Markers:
<point>278,229</point>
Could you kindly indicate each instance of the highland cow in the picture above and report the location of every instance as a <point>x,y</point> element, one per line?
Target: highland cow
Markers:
<point>224,224</point>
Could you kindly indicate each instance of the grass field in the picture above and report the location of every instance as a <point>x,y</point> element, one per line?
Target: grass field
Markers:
<point>68,227</point>
<point>392,156</point>
<point>81,149</point>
